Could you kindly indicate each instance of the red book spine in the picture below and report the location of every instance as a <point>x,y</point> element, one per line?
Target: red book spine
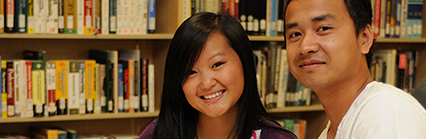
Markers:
<point>224,5</point>
<point>377,10</point>
<point>10,91</point>
<point>29,66</point>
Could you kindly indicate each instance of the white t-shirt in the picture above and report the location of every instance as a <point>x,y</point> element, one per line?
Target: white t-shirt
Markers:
<point>382,111</point>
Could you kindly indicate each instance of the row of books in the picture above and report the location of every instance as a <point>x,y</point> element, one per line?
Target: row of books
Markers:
<point>258,17</point>
<point>297,126</point>
<point>395,67</point>
<point>397,18</point>
<point>77,16</point>
<point>277,86</point>
<point>110,81</point>
<point>36,132</point>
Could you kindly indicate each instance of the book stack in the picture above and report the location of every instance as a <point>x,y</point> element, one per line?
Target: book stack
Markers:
<point>109,81</point>
<point>397,18</point>
<point>124,17</point>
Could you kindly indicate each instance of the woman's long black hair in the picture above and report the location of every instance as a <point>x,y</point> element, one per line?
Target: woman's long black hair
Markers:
<point>177,118</point>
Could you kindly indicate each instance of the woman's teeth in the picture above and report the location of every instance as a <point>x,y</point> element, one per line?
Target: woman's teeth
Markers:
<point>213,95</point>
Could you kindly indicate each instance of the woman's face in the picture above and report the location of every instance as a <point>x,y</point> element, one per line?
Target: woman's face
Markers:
<point>216,81</point>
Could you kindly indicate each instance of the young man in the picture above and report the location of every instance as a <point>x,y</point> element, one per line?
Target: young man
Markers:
<point>327,44</point>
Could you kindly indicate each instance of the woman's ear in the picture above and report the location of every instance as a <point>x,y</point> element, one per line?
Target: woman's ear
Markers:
<point>367,37</point>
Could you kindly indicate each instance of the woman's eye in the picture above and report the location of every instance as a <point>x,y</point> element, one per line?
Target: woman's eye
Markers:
<point>192,72</point>
<point>217,64</point>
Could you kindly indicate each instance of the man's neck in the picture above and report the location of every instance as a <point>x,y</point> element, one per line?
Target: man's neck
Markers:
<point>337,99</point>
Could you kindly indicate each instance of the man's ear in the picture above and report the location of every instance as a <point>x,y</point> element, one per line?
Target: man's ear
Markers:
<point>367,37</point>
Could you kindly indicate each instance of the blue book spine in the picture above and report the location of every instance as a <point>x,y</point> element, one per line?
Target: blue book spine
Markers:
<point>112,16</point>
<point>274,17</point>
<point>120,88</point>
<point>21,14</point>
<point>151,16</point>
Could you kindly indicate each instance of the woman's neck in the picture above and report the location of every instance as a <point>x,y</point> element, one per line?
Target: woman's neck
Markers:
<point>217,127</point>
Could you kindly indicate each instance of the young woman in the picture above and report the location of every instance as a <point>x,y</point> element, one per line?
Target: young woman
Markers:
<point>210,88</point>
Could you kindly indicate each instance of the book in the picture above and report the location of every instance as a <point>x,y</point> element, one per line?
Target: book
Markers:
<point>10,88</point>
<point>80,16</point>
<point>82,86</point>
<point>40,15</point>
<point>120,87</point>
<point>389,56</point>
<point>100,94</point>
<point>52,17</point>
<point>61,86</point>
<point>96,16</point>
<point>2,16</point>
<point>151,16</point>
<point>112,16</point>
<point>88,14</point>
<point>51,88</point>
<point>282,82</point>
<point>39,88</point>
<point>30,21</point>
<point>35,55</point>
<point>61,16</point>
<point>151,88</point>
<point>70,16</point>
<point>104,17</point>
<point>91,91</point>
<point>9,6</point>
<point>21,14</point>
<point>144,84</point>
<point>4,95</point>
<point>20,88</point>
<point>73,84</point>
<point>29,85</point>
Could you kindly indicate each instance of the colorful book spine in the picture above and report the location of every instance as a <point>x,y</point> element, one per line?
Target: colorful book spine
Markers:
<point>70,16</point>
<point>10,16</point>
<point>91,91</point>
<point>61,87</point>
<point>120,87</point>
<point>51,87</point>
<point>104,17</point>
<point>96,16</point>
<point>73,88</point>
<point>3,90</point>
<point>21,14</point>
<point>20,88</point>
<point>29,85</point>
<point>131,86</point>
<point>10,88</point>
<point>151,16</point>
<point>97,101</point>
<point>112,16</point>
<point>376,29</point>
<point>82,86</point>
<point>126,88</point>
<point>39,88</point>
<point>30,21</point>
<point>1,16</point>
<point>88,14</point>
<point>144,84</point>
<point>61,19</point>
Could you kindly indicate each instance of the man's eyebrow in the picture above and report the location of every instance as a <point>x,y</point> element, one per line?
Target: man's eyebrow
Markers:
<point>322,17</point>
<point>315,19</point>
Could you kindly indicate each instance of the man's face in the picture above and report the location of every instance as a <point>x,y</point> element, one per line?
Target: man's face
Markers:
<point>322,48</point>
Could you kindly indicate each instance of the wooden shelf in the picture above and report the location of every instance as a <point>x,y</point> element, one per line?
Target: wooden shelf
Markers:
<point>316,107</point>
<point>79,117</point>
<point>399,40</point>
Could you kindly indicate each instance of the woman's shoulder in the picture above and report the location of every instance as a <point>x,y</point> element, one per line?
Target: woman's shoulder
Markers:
<point>273,130</point>
<point>148,131</point>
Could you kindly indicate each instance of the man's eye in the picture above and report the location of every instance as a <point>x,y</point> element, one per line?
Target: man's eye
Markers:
<point>217,64</point>
<point>323,28</point>
<point>295,34</point>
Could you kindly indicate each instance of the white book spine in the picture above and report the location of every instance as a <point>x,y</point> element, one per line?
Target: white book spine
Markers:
<point>80,16</point>
<point>40,15</point>
<point>73,88</point>
<point>105,17</point>
<point>50,86</point>
<point>151,88</point>
<point>145,16</point>
<point>52,20</point>
<point>82,86</point>
<point>138,10</point>
<point>120,17</point>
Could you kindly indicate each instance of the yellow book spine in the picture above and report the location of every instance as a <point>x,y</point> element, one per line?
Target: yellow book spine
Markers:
<point>90,85</point>
<point>30,21</point>
<point>61,86</point>
<point>3,91</point>
<point>39,87</point>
